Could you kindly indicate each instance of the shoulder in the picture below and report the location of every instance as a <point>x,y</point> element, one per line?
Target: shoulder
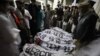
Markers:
<point>3,17</point>
<point>93,15</point>
<point>4,20</point>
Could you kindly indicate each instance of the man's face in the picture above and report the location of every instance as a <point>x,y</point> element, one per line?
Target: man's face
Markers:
<point>83,10</point>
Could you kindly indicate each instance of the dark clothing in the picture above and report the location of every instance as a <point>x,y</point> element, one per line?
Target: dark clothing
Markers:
<point>47,19</point>
<point>75,19</point>
<point>54,21</point>
<point>69,27</point>
<point>39,20</point>
<point>59,17</point>
<point>85,30</point>
<point>67,15</point>
<point>60,13</point>
<point>33,11</point>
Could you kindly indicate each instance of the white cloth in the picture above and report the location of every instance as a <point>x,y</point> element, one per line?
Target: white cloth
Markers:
<point>64,25</point>
<point>27,18</point>
<point>34,50</point>
<point>73,27</point>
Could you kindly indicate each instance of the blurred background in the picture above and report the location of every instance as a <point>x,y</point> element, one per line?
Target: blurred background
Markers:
<point>53,3</point>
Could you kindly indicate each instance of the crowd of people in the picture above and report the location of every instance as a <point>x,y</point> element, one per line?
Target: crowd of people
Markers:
<point>18,26</point>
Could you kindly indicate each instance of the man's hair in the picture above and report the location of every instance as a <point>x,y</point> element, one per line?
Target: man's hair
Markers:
<point>3,2</point>
<point>33,1</point>
<point>67,7</point>
<point>11,3</point>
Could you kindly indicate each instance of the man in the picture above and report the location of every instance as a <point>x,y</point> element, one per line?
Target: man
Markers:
<point>24,23</point>
<point>85,32</point>
<point>59,15</point>
<point>67,13</point>
<point>32,8</point>
<point>39,18</point>
<point>47,17</point>
<point>9,33</point>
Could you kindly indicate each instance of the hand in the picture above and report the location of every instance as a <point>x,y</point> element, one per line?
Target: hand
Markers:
<point>77,43</point>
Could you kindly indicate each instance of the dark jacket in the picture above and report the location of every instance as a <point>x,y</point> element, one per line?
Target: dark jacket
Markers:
<point>85,30</point>
<point>60,13</point>
<point>32,8</point>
